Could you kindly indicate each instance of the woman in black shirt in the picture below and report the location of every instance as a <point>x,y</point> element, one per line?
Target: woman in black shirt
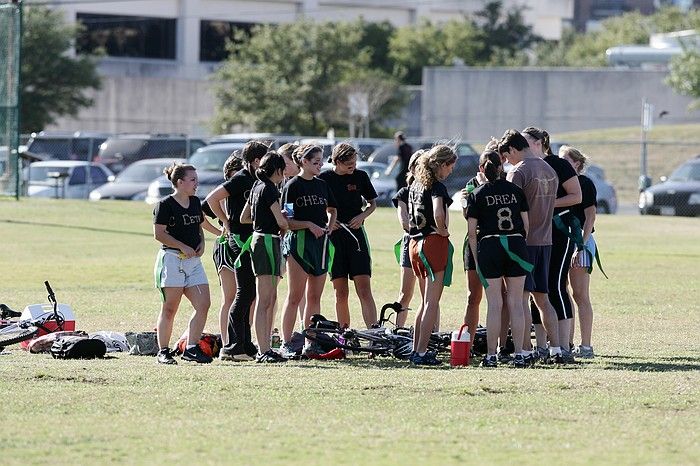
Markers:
<point>498,223</point>
<point>177,224</point>
<point>430,249</point>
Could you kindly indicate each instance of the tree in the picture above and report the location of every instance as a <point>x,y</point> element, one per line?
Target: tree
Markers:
<point>684,75</point>
<point>53,82</point>
<point>287,78</point>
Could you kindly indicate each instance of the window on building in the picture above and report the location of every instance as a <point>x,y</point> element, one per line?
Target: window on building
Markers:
<point>127,36</point>
<point>214,34</point>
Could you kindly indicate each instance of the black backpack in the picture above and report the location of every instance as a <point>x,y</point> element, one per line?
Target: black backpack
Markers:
<point>78,347</point>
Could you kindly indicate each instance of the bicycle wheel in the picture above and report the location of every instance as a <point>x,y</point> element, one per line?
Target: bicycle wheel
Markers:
<point>359,341</point>
<point>440,342</point>
<point>16,333</point>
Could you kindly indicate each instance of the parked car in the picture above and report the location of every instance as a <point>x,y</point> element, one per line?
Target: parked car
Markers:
<point>275,140</point>
<point>71,179</point>
<point>384,153</point>
<point>677,195</point>
<point>209,162</point>
<point>132,183</point>
<point>118,152</point>
<point>365,146</point>
<point>65,146</point>
<point>383,184</point>
<point>606,196</point>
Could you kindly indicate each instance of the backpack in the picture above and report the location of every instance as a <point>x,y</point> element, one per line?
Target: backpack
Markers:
<point>143,343</point>
<point>78,347</point>
<point>43,343</point>
<point>210,344</point>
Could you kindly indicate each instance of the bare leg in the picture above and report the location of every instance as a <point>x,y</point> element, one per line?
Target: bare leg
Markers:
<point>549,317</point>
<point>363,288</point>
<point>505,316</point>
<point>200,298</point>
<point>517,314</point>
<point>296,285</point>
<point>494,301</point>
<point>164,325</point>
<point>419,314</point>
<point>580,285</point>
<point>314,289</point>
<point>474,296</point>
<point>527,318</point>
<point>266,289</point>
<point>342,308</point>
<point>431,306</point>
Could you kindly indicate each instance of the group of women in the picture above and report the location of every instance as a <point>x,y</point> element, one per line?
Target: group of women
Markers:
<point>278,214</point>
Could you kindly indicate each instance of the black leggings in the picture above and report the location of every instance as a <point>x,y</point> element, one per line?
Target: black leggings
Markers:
<point>240,340</point>
<point>559,264</point>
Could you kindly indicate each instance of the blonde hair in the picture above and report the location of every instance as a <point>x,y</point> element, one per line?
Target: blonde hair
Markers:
<point>412,162</point>
<point>575,155</point>
<point>428,165</point>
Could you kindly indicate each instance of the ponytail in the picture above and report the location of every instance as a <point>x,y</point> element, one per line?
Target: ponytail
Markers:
<point>269,165</point>
<point>490,161</point>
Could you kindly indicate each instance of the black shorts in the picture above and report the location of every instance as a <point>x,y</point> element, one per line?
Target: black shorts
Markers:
<point>467,256</point>
<point>266,255</point>
<point>494,261</point>
<point>311,253</point>
<point>223,257</point>
<point>405,253</point>
<point>352,254</point>
<point>538,279</point>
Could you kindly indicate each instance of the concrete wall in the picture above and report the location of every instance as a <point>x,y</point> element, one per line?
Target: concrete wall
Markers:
<point>478,103</point>
<point>155,105</point>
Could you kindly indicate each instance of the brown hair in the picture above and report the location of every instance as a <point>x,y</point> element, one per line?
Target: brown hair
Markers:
<point>305,151</point>
<point>428,164</point>
<point>177,171</point>
<point>342,153</point>
<point>270,163</point>
<point>490,160</point>
<point>542,136</point>
<point>254,150</point>
<point>233,164</point>
<point>575,155</point>
<point>412,162</point>
<point>287,150</point>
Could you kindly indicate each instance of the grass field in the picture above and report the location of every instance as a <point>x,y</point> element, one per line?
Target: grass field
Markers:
<point>638,402</point>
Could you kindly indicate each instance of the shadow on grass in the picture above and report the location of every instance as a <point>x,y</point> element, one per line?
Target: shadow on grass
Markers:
<point>77,227</point>
<point>667,364</point>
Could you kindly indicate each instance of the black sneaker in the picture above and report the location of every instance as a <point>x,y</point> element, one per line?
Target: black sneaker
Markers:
<point>519,361</point>
<point>270,356</point>
<point>530,359</point>
<point>165,356</point>
<point>504,355</point>
<point>489,361</point>
<point>196,355</point>
<point>428,359</point>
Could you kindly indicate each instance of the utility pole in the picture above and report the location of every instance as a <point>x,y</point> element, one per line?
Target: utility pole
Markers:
<point>647,125</point>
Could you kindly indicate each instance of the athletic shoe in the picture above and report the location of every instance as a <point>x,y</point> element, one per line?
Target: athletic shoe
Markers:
<point>224,356</point>
<point>165,356</point>
<point>428,359</point>
<point>556,359</point>
<point>489,361</point>
<point>519,361</point>
<point>567,357</point>
<point>287,351</point>
<point>195,354</point>
<point>270,356</point>
<point>530,359</point>
<point>504,355</point>
<point>585,353</point>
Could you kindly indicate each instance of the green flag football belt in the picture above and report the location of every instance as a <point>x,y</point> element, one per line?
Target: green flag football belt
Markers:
<point>327,246</point>
<point>447,278</point>
<point>268,241</point>
<point>570,226</point>
<point>503,239</point>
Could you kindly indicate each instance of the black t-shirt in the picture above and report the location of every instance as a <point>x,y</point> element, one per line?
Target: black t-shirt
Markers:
<point>420,207</point>
<point>310,199</point>
<point>182,224</point>
<point>263,195</point>
<point>564,172</point>
<point>349,190</point>
<point>238,188</point>
<point>497,207</point>
<point>401,195</point>
<point>405,152</point>
<point>588,198</point>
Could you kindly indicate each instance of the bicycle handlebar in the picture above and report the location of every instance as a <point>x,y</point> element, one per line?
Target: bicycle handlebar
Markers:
<point>395,308</point>
<point>51,296</point>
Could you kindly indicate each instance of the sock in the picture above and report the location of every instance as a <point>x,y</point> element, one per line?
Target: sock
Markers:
<point>422,354</point>
<point>554,350</point>
<point>585,347</point>
<point>190,347</point>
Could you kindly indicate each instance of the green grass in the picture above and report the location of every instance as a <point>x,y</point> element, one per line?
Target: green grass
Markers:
<point>638,402</point>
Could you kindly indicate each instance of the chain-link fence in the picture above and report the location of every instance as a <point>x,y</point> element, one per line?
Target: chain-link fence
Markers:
<point>10,25</point>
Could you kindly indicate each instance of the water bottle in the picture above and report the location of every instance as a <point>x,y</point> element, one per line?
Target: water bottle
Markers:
<point>275,340</point>
<point>469,187</point>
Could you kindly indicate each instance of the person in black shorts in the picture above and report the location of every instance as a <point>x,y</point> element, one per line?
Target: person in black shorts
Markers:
<point>264,211</point>
<point>310,208</point>
<point>582,260</point>
<point>223,259</point>
<point>355,195</point>
<point>177,225</point>
<point>568,194</point>
<point>498,222</point>
<point>402,159</point>
<point>236,192</point>
<point>430,248</point>
<point>408,278</point>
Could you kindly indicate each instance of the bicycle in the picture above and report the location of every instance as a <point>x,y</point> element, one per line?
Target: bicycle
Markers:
<point>21,330</point>
<point>377,341</point>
